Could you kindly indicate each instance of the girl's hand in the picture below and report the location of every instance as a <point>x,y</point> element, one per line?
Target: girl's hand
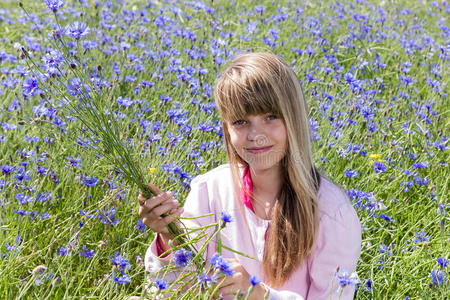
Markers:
<point>150,210</point>
<point>239,282</point>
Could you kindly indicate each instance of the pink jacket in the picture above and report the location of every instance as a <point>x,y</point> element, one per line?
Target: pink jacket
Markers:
<point>338,242</point>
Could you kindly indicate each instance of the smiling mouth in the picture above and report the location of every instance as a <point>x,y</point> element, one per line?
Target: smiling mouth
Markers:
<point>259,149</point>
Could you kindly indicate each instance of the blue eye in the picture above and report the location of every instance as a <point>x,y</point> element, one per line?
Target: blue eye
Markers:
<point>239,122</point>
<point>272,117</point>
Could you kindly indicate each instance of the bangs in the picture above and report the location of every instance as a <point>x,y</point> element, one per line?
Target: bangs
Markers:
<point>239,93</point>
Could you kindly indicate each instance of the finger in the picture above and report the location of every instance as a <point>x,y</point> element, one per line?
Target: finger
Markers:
<point>155,213</point>
<point>164,208</point>
<point>157,200</point>
<point>155,188</point>
<point>228,290</point>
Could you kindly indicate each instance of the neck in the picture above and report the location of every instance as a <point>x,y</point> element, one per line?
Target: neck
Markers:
<point>266,185</point>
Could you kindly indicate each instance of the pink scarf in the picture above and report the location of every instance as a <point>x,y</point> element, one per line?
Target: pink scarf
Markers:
<point>247,189</point>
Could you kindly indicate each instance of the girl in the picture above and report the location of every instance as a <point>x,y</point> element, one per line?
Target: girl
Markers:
<point>298,224</point>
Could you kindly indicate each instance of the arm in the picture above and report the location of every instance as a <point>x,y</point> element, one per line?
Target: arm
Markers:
<point>196,204</point>
<point>338,245</point>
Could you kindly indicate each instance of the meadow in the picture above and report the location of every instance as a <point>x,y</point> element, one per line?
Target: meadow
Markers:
<point>376,77</point>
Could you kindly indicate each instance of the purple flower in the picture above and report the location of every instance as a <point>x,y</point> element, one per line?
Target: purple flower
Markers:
<point>89,181</point>
<point>221,265</point>
<point>443,262</point>
<point>379,167</point>
<point>86,253</point>
<point>438,276</point>
<point>30,86</point>
<point>6,169</point>
<point>421,237</point>
<point>225,217</point>
<point>182,257</point>
<point>344,278</point>
<point>140,226</point>
<point>254,280</point>
<point>350,173</point>
<point>161,284</point>
<point>54,5</point>
<point>124,279</point>
<point>206,280</point>
<point>120,262</point>
<point>77,30</point>
<point>63,251</point>
<point>124,102</point>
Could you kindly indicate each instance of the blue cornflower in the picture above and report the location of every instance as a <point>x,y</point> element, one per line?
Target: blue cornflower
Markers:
<point>140,226</point>
<point>120,262</point>
<point>77,30</point>
<point>182,257</point>
<point>438,276</point>
<point>443,262</point>
<point>7,169</point>
<point>124,279</point>
<point>221,265</point>
<point>422,237</point>
<point>86,253</point>
<point>124,102</point>
<point>350,173</point>
<point>75,162</point>
<point>30,86</point>
<point>254,280</point>
<point>344,279</point>
<point>384,249</point>
<point>54,5</point>
<point>63,251</point>
<point>89,181</point>
<point>206,280</point>
<point>161,284</point>
<point>379,167</point>
<point>225,218</point>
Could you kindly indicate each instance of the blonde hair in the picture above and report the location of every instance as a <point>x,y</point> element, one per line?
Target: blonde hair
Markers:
<point>256,83</point>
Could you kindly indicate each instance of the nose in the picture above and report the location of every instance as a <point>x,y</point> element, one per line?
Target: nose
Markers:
<point>256,135</point>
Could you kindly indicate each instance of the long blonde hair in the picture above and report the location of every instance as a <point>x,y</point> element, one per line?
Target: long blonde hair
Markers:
<point>256,83</point>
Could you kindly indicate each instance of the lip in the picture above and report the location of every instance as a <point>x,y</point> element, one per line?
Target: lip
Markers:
<point>258,150</point>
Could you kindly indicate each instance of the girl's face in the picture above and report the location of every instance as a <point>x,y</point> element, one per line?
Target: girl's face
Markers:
<point>260,140</point>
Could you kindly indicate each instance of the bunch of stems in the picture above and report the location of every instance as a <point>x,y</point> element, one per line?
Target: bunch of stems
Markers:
<point>89,107</point>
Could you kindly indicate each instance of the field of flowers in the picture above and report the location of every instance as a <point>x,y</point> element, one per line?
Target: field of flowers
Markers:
<point>376,75</point>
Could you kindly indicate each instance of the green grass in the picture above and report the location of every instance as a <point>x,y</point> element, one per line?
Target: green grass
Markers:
<point>399,113</point>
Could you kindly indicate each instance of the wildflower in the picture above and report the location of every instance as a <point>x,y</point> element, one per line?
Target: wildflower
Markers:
<point>54,5</point>
<point>206,280</point>
<point>30,86</point>
<point>350,173</point>
<point>221,265</point>
<point>120,262</point>
<point>140,226</point>
<point>438,277</point>
<point>254,280</point>
<point>344,278</point>
<point>161,284</point>
<point>6,169</point>
<point>124,279</point>
<point>421,237</point>
<point>86,253</point>
<point>152,170</point>
<point>182,257</point>
<point>89,181</point>
<point>39,270</point>
<point>384,249</point>
<point>443,262</point>
<point>225,218</point>
<point>77,30</point>
<point>379,167</point>
<point>63,251</point>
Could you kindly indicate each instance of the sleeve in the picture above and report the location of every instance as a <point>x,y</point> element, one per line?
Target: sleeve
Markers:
<point>338,245</point>
<point>273,294</point>
<point>197,204</point>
